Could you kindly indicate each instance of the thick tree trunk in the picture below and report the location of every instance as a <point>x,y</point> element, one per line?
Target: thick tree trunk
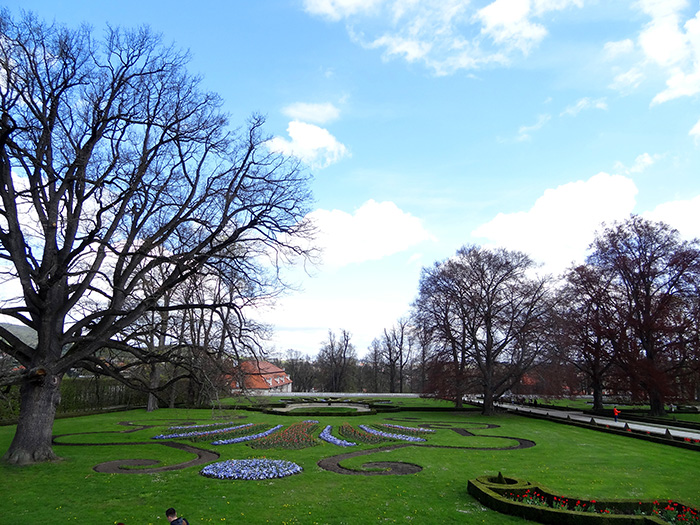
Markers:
<point>656,403</point>
<point>32,442</point>
<point>597,395</point>
<point>488,409</point>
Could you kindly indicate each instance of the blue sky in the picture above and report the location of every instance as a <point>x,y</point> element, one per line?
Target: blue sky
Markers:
<point>431,124</point>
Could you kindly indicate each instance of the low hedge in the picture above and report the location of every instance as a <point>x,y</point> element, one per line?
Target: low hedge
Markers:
<point>497,493</point>
<point>312,412</point>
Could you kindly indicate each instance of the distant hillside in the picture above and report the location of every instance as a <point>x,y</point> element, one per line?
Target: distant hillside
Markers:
<point>25,334</point>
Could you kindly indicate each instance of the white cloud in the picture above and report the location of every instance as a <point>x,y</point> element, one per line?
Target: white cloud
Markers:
<point>561,224</point>
<point>585,103</point>
<point>683,215</point>
<point>408,48</point>
<point>679,84</point>
<point>641,163</point>
<point>316,113</point>
<point>544,6</point>
<point>313,145</point>
<point>525,131</point>
<point>628,81</point>
<point>662,39</point>
<point>613,50</point>
<point>508,23</point>
<point>445,35</point>
<point>670,42</point>
<point>338,9</point>
<point>695,131</point>
<point>374,231</point>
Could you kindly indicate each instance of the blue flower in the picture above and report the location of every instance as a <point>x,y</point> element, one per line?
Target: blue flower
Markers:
<point>246,438</point>
<point>327,436</point>
<point>401,437</point>
<point>195,433</point>
<point>408,429</point>
<point>250,469</point>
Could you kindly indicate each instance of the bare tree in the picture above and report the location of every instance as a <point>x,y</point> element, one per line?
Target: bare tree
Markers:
<point>396,353</point>
<point>484,310</point>
<point>336,360</point>
<point>300,368</point>
<point>588,326</point>
<point>657,276</point>
<point>115,165</point>
<point>375,363</point>
<point>422,338</point>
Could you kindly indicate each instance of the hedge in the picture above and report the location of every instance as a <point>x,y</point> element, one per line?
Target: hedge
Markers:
<point>497,493</point>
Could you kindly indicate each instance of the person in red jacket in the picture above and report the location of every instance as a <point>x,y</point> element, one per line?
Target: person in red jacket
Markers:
<point>616,413</point>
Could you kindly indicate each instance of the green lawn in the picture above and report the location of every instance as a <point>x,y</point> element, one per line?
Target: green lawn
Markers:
<point>573,461</point>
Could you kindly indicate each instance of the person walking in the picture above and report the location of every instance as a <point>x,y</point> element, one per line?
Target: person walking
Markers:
<point>173,519</point>
<point>616,413</point>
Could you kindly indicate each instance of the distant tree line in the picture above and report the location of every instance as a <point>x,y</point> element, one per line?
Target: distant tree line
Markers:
<point>626,322</point>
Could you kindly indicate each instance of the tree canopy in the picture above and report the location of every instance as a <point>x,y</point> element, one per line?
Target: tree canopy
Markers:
<point>121,180</point>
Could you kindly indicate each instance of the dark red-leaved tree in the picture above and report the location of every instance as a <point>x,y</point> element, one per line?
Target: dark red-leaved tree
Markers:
<point>657,277</point>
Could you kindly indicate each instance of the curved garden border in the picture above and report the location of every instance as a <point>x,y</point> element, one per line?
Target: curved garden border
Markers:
<point>557,510</point>
<point>332,464</point>
<point>126,466</point>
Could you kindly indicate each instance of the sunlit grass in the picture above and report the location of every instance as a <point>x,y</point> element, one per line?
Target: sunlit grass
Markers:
<point>571,461</point>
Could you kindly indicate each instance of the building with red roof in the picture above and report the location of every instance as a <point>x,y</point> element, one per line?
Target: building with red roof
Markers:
<point>260,377</point>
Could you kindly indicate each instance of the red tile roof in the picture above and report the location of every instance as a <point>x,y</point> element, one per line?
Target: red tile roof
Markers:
<point>260,375</point>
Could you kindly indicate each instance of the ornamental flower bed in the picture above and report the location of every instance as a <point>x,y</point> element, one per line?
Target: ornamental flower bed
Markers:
<point>669,511</point>
<point>295,437</point>
<point>198,432</point>
<point>246,438</point>
<point>400,437</point>
<point>536,503</point>
<point>352,433</point>
<point>411,431</point>
<point>251,469</point>
<point>330,438</point>
<point>233,433</point>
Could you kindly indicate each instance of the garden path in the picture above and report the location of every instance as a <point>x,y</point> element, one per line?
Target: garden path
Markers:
<point>575,415</point>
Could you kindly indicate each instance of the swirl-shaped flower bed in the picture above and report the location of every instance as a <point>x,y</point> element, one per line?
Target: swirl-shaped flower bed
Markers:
<point>250,469</point>
<point>388,435</point>
<point>330,438</point>
<point>247,438</point>
<point>195,431</point>
<point>347,431</point>
<point>297,436</point>
<point>412,431</point>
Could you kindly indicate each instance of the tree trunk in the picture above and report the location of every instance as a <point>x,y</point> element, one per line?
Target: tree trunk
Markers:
<point>154,379</point>
<point>33,438</point>
<point>656,403</point>
<point>597,395</point>
<point>488,409</point>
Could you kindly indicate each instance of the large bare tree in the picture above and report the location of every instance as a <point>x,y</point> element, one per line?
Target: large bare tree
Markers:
<point>658,278</point>
<point>115,166</point>
<point>484,312</point>
<point>588,326</point>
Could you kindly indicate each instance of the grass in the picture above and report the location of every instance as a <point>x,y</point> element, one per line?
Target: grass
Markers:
<point>572,461</point>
